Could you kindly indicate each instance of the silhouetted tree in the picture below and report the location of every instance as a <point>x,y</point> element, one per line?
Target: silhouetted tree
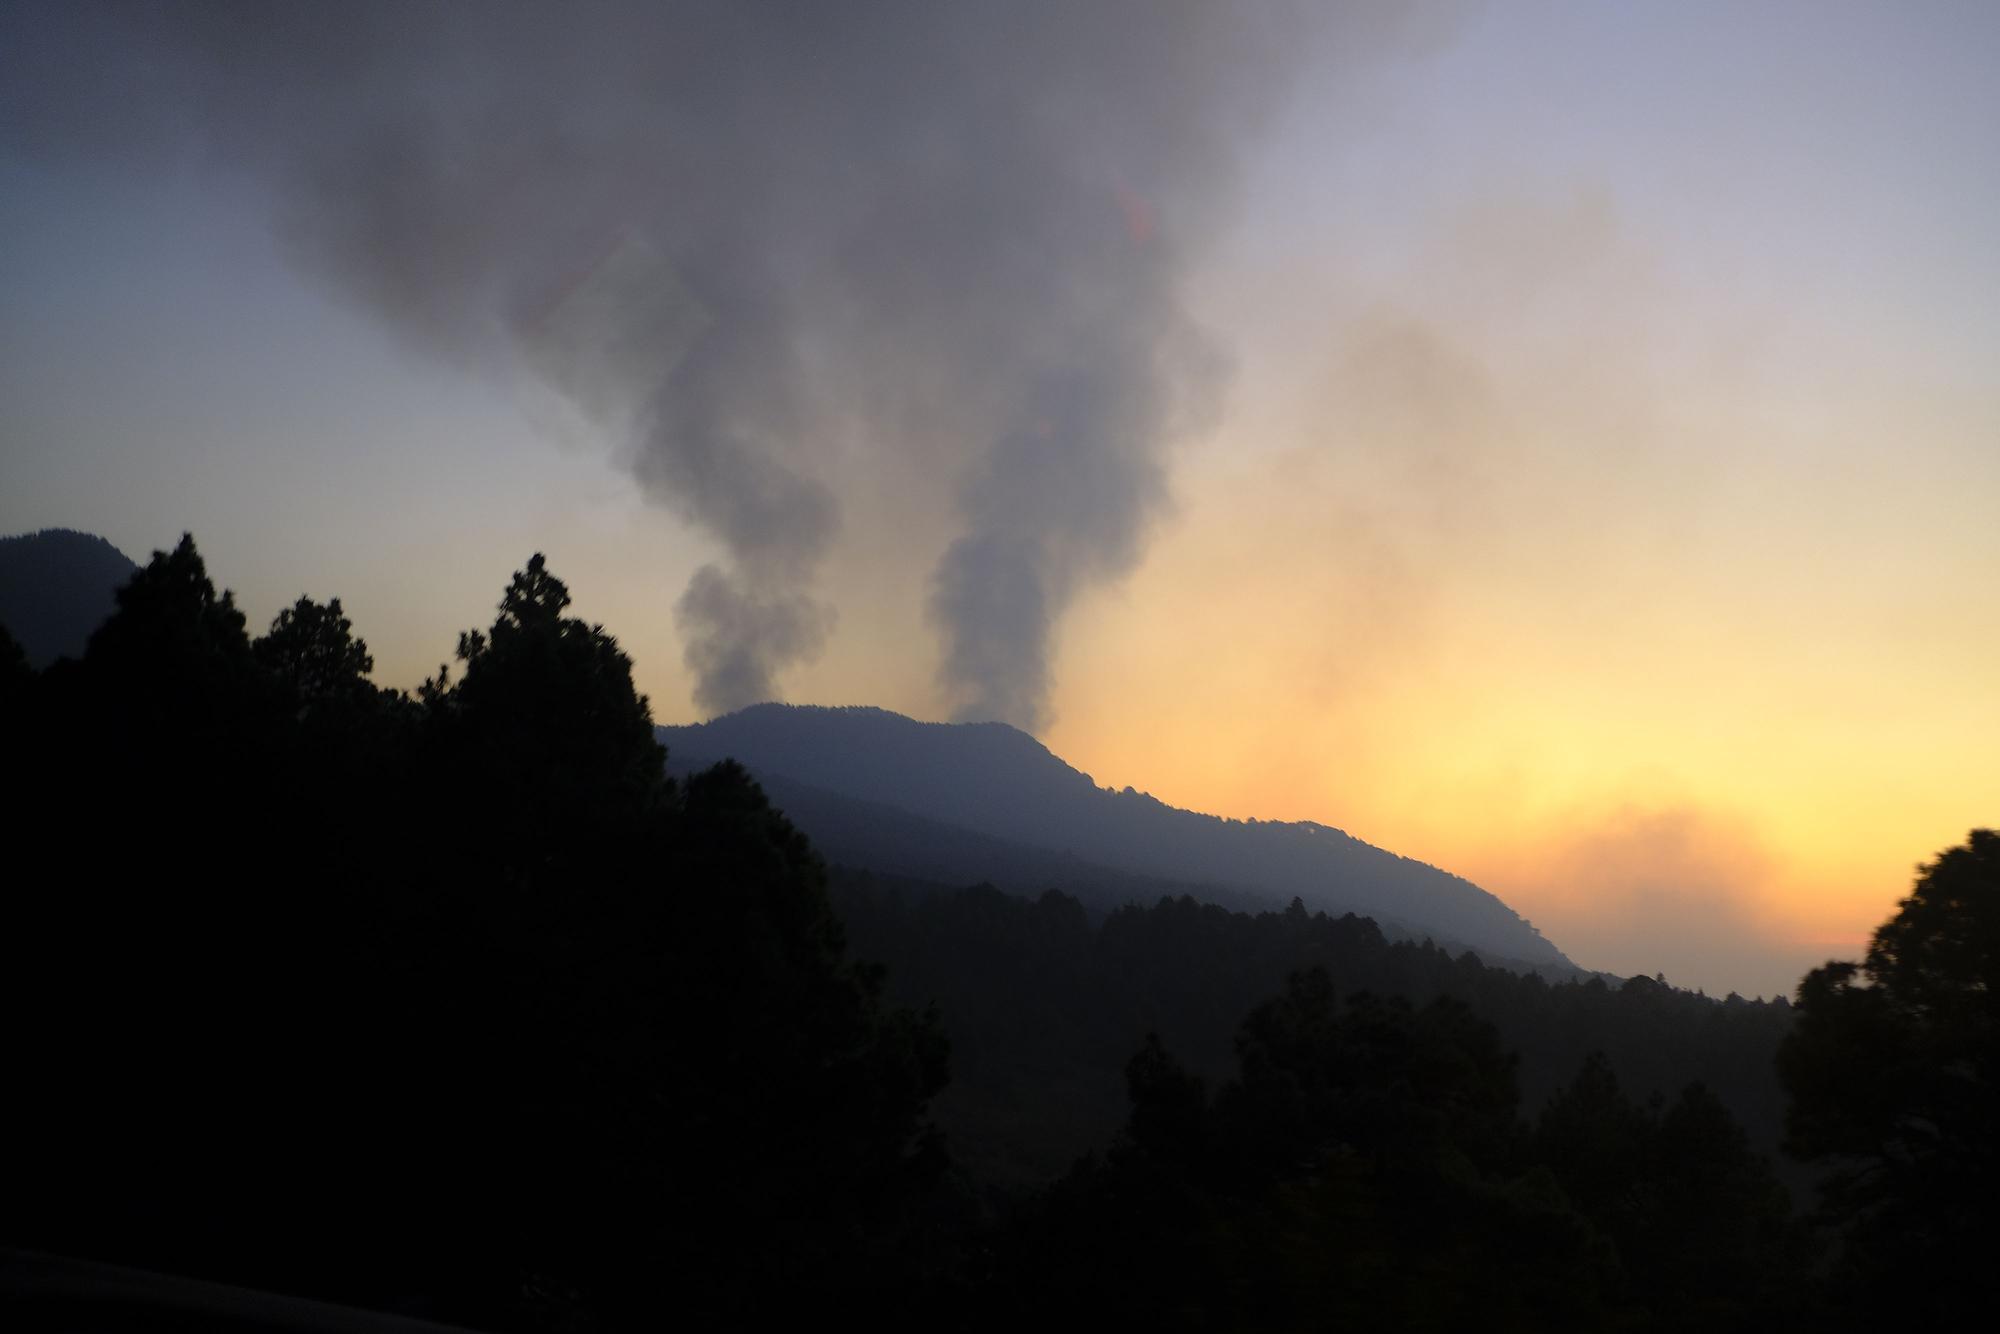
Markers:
<point>1702,1228</point>
<point>1894,1076</point>
<point>313,650</point>
<point>545,723</point>
<point>1725,1250</point>
<point>1600,1145</point>
<point>15,674</point>
<point>171,616</point>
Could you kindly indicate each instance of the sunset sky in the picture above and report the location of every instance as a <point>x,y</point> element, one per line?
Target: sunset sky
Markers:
<point>1598,495</point>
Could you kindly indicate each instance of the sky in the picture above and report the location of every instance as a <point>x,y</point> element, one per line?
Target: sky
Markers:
<point>1556,441</point>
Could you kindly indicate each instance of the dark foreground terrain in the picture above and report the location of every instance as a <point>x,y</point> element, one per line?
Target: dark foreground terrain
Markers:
<point>459,1008</point>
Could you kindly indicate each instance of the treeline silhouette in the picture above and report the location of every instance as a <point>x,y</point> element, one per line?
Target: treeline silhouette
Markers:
<point>1043,1006</point>
<point>451,1004</point>
<point>457,1005</point>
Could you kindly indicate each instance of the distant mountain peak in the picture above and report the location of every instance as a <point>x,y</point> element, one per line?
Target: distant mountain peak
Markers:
<point>56,586</point>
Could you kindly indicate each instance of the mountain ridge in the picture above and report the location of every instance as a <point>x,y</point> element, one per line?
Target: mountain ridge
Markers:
<point>995,780</point>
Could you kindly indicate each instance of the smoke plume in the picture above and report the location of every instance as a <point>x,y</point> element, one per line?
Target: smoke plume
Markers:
<point>735,637</point>
<point>742,237</point>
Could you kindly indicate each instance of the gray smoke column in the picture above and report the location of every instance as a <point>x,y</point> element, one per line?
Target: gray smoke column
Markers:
<point>738,235</point>
<point>735,637</point>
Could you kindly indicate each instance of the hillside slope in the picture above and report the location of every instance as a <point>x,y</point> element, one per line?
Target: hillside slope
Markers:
<point>888,840</point>
<point>994,780</point>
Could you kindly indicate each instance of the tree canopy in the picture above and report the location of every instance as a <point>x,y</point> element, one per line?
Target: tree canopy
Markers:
<point>312,649</point>
<point>1894,1076</point>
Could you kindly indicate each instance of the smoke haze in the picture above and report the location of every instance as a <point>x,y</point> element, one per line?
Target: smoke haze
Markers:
<point>777,251</point>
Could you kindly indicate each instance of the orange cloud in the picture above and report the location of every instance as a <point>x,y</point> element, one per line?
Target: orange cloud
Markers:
<point>1677,888</point>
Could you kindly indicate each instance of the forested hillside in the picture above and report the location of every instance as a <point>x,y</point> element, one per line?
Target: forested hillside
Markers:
<point>1044,1007</point>
<point>457,1005</point>
<point>1002,783</point>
